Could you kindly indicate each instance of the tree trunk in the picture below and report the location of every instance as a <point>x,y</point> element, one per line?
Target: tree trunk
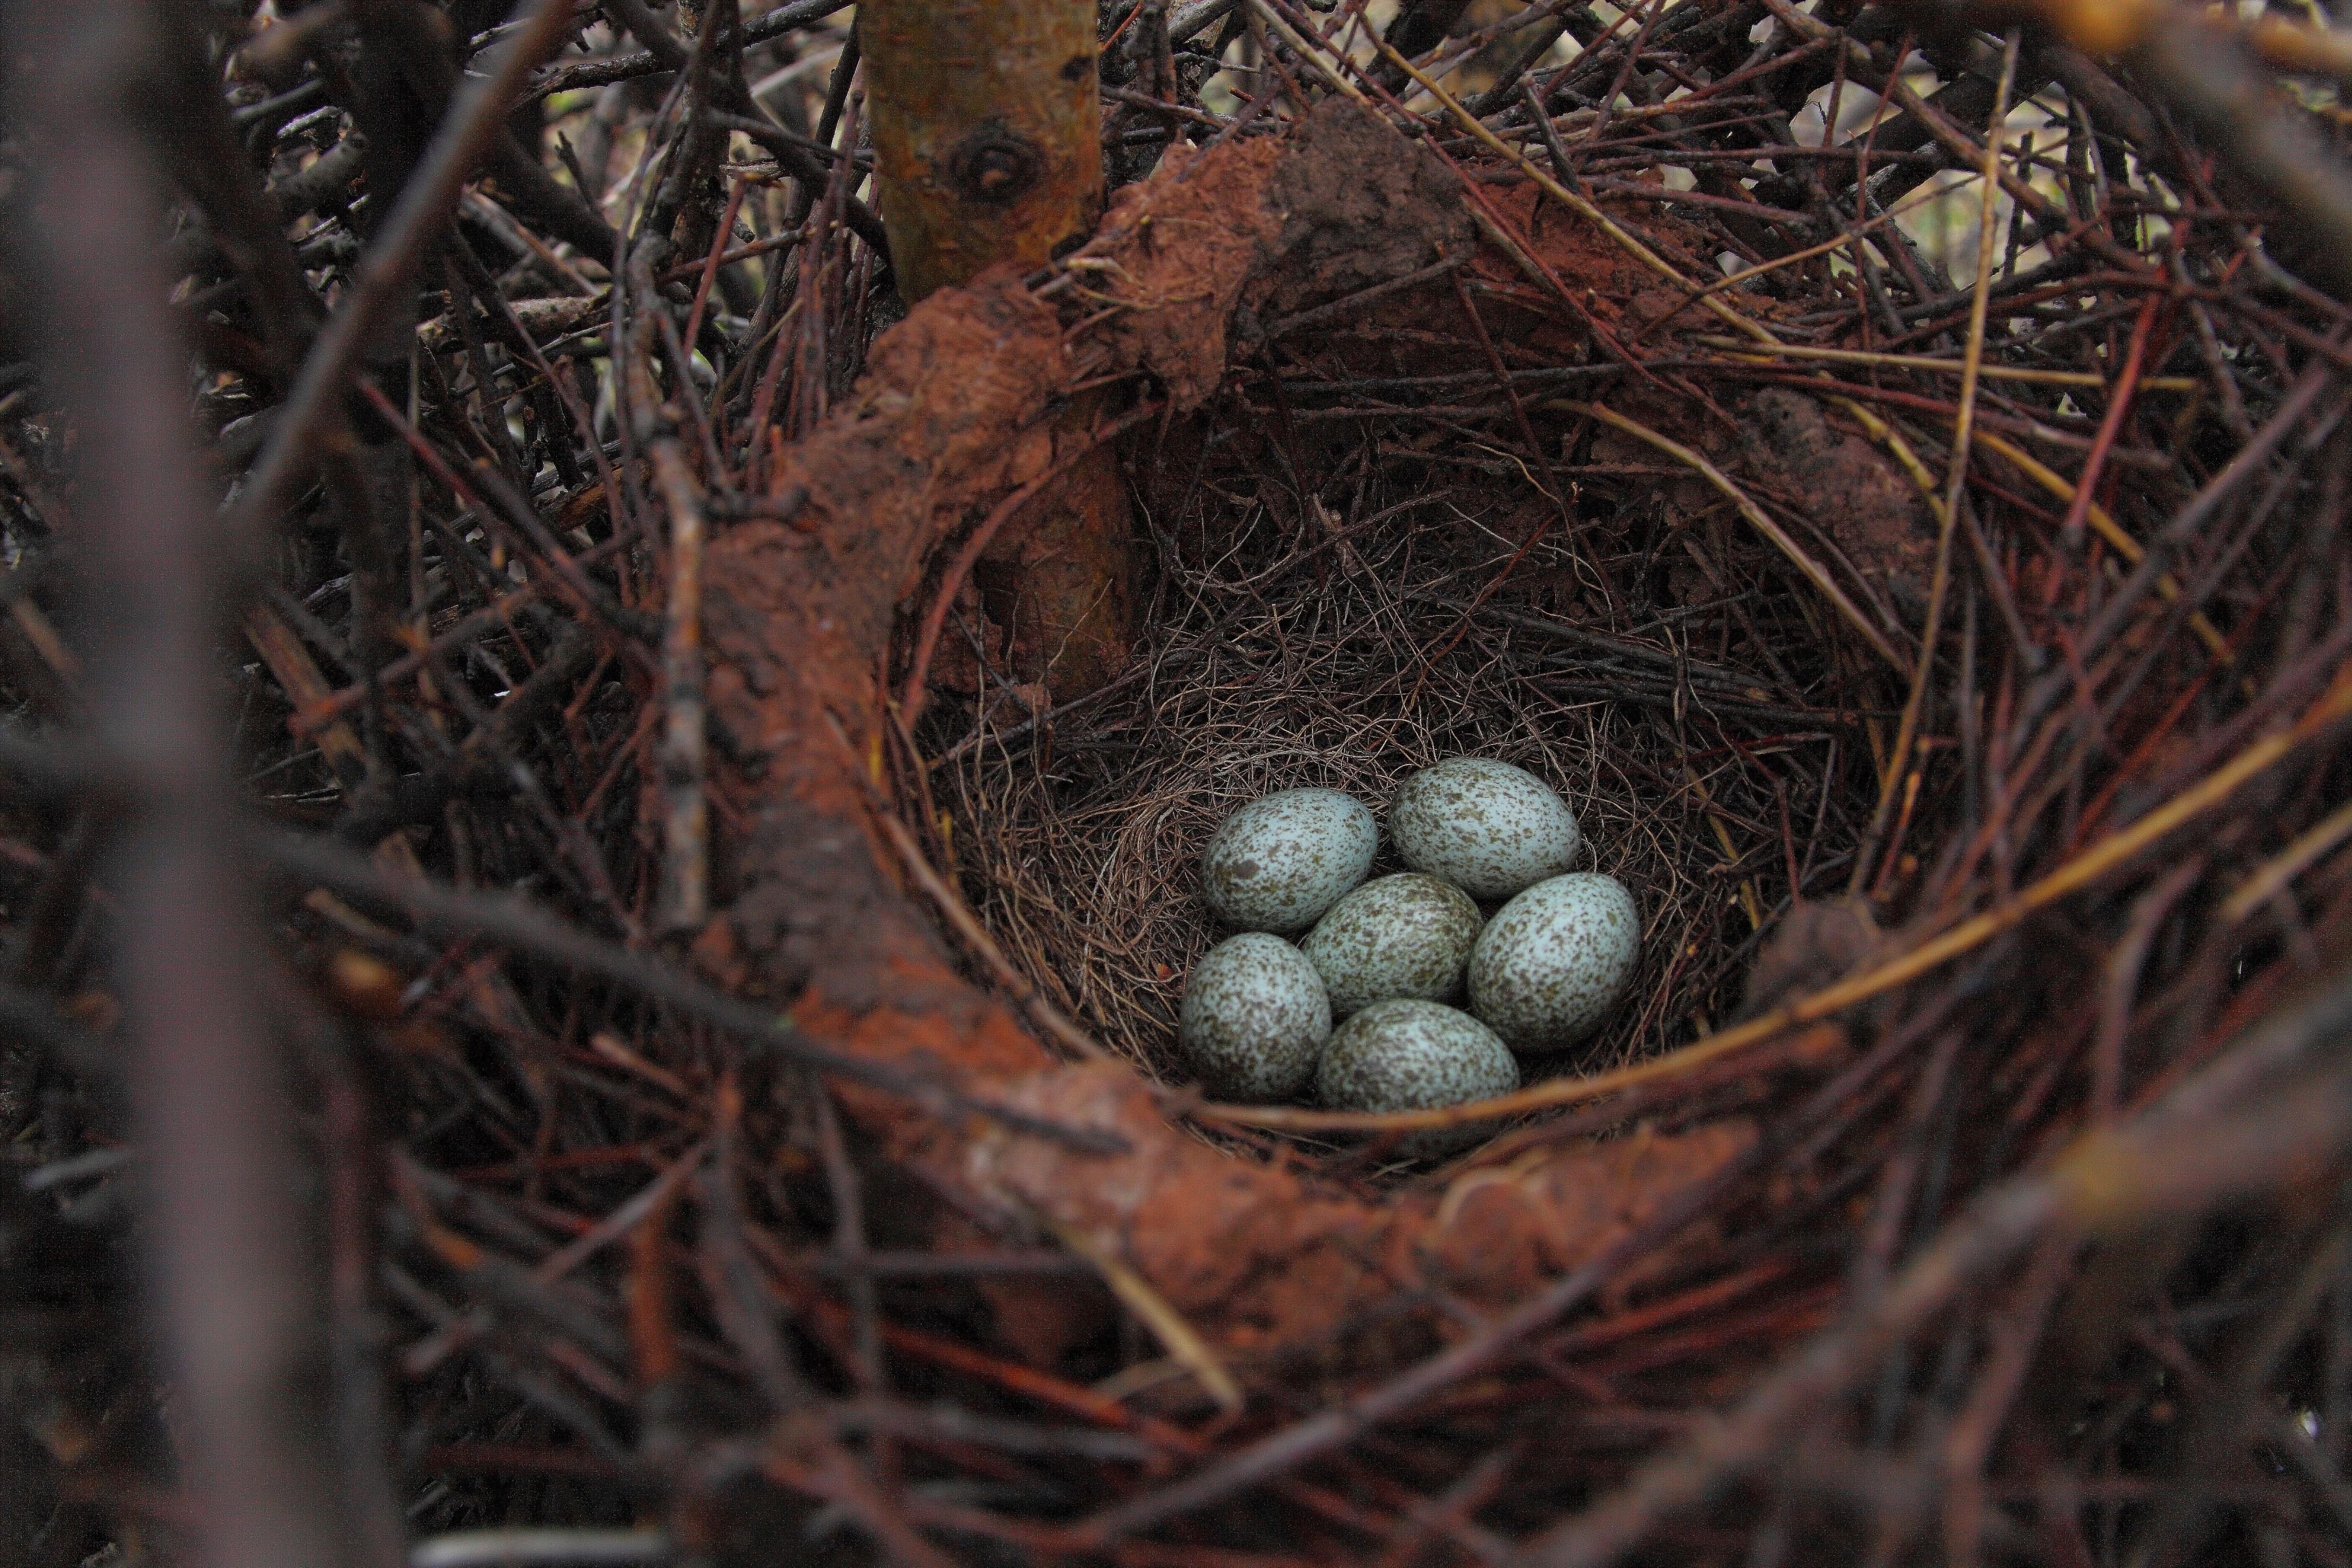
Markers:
<point>986,131</point>
<point>987,146</point>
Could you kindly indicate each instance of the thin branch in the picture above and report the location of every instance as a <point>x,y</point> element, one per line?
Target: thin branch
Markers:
<point>428,204</point>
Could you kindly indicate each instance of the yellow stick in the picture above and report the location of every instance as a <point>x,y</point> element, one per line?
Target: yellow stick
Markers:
<point>1929,362</point>
<point>1183,1341</point>
<point>2111,852</point>
<point>2272,876</point>
<point>1955,478</point>
<point>2103,524</point>
<point>1578,206</point>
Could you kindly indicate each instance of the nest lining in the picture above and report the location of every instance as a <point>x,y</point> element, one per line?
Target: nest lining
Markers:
<point>1428,602</point>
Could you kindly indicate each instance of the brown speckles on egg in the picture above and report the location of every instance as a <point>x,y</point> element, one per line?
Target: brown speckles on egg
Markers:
<point>1402,935</point>
<point>1253,1019</point>
<point>1280,862</point>
<point>1485,826</point>
<point>1554,960</point>
<point>1404,1055</point>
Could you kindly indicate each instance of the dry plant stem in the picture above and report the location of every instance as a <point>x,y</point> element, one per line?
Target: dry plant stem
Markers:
<point>554,1547</point>
<point>1063,578</point>
<point>1581,208</point>
<point>511,922</point>
<point>298,673</point>
<point>1929,363</point>
<point>2017,1335</point>
<point>2205,68</point>
<point>957,914</point>
<point>1183,1341</point>
<point>791,16</point>
<point>724,105</point>
<point>1756,518</point>
<point>1954,141</point>
<point>223,1235</point>
<point>1307,1440</point>
<point>2205,73</point>
<point>2272,877</point>
<point>660,425</point>
<point>2119,402</point>
<point>1304,1441</point>
<point>2185,524</point>
<point>371,1500</point>
<point>684,902</point>
<point>985,132</point>
<point>2103,524</point>
<point>911,699</point>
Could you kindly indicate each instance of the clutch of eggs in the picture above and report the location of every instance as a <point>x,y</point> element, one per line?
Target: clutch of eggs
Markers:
<point>1383,955</point>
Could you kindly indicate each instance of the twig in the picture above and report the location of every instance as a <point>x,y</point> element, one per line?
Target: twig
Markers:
<point>1183,1342</point>
<point>1307,1440</point>
<point>1756,518</point>
<point>2023,375</point>
<point>968,928</point>
<point>222,1230</point>
<point>2119,400</point>
<point>1956,479</point>
<point>476,119</point>
<point>543,1548</point>
<point>1582,208</point>
<point>916,691</point>
<point>684,901</point>
<point>2214,1138</point>
<point>786,19</point>
<point>509,920</point>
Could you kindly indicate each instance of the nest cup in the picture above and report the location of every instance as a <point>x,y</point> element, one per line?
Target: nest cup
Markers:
<point>1423,599</point>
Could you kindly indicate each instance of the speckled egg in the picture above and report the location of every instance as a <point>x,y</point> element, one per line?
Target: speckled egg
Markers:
<point>1281,860</point>
<point>1487,827</point>
<point>1554,960</point>
<point>1254,1020</point>
<point>1405,1055</point>
<point>1402,935</point>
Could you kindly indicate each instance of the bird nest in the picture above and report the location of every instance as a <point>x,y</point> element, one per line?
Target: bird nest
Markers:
<point>1427,598</point>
